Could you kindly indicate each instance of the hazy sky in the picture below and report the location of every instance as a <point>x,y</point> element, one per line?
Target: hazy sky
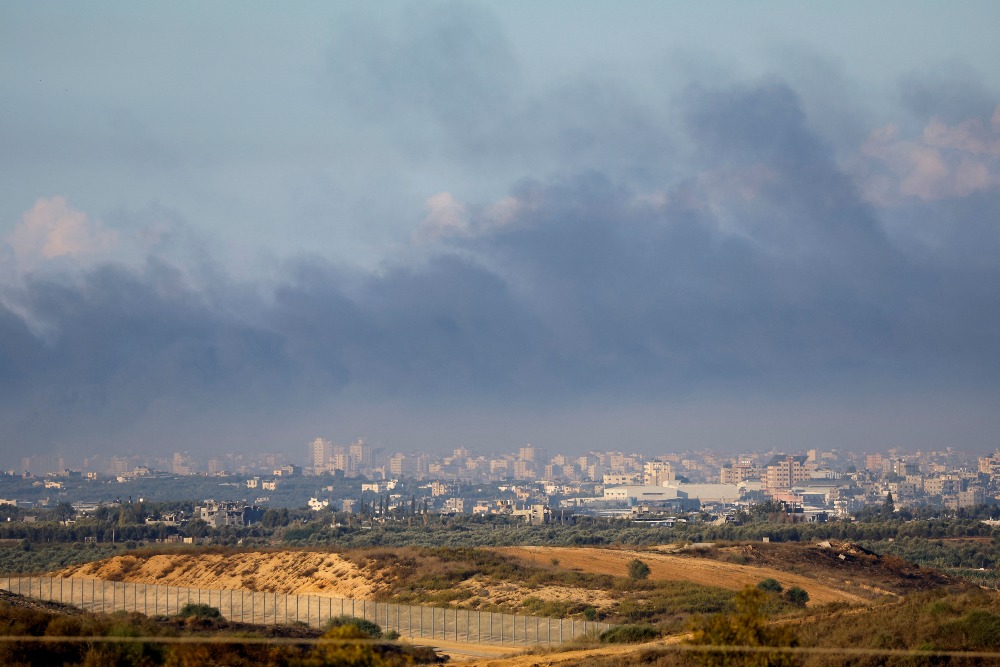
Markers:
<point>656,226</point>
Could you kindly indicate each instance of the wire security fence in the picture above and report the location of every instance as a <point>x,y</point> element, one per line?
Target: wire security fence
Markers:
<point>261,607</point>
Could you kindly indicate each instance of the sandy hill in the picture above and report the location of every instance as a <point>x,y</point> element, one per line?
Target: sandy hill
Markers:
<point>274,571</point>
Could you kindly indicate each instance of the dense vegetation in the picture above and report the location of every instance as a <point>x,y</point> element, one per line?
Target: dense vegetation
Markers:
<point>351,643</point>
<point>922,623</point>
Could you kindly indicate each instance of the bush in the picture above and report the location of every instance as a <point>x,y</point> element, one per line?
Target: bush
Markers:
<point>797,596</point>
<point>747,626</point>
<point>629,634</point>
<point>372,630</point>
<point>195,610</point>
<point>637,569</point>
<point>771,585</point>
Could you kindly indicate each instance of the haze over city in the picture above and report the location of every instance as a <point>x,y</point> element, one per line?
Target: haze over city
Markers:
<point>436,225</point>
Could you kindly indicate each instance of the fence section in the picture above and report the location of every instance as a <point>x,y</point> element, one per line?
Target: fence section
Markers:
<point>260,607</point>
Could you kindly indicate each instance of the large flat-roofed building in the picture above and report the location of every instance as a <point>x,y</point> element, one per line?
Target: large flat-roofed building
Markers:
<point>709,493</point>
<point>644,494</point>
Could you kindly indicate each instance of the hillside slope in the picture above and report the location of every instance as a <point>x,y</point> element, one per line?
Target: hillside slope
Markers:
<point>304,572</point>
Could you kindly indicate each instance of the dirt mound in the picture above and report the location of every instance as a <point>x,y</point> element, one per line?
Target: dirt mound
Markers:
<point>280,571</point>
<point>839,564</point>
<point>22,602</point>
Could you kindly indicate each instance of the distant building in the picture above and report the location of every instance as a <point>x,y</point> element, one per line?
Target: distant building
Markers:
<point>321,451</point>
<point>782,472</point>
<point>644,494</point>
<point>622,479</point>
<point>535,515</point>
<point>657,473</point>
<point>222,514</point>
<point>709,493</point>
<point>453,506</point>
<point>316,504</point>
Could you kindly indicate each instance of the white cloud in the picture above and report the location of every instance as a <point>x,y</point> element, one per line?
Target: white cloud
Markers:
<point>446,216</point>
<point>52,229</point>
<point>945,161</point>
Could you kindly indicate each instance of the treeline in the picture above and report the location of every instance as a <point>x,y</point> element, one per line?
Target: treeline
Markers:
<point>306,528</point>
<point>483,531</point>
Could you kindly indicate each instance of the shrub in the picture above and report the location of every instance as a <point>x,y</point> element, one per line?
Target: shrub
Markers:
<point>771,585</point>
<point>747,626</point>
<point>797,596</point>
<point>195,610</point>
<point>637,569</point>
<point>369,629</point>
<point>629,634</point>
<point>981,628</point>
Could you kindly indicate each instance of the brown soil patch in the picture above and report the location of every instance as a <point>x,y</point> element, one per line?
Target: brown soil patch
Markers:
<point>670,567</point>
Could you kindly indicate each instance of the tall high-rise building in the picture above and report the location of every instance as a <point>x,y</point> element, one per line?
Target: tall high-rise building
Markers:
<point>360,455</point>
<point>321,450</point>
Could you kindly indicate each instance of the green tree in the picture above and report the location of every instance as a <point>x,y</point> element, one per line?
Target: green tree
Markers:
<point>746,627</point>
<point>889,506</point>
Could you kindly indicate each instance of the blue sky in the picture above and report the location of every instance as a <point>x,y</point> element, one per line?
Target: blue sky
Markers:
<point>651,226</point>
